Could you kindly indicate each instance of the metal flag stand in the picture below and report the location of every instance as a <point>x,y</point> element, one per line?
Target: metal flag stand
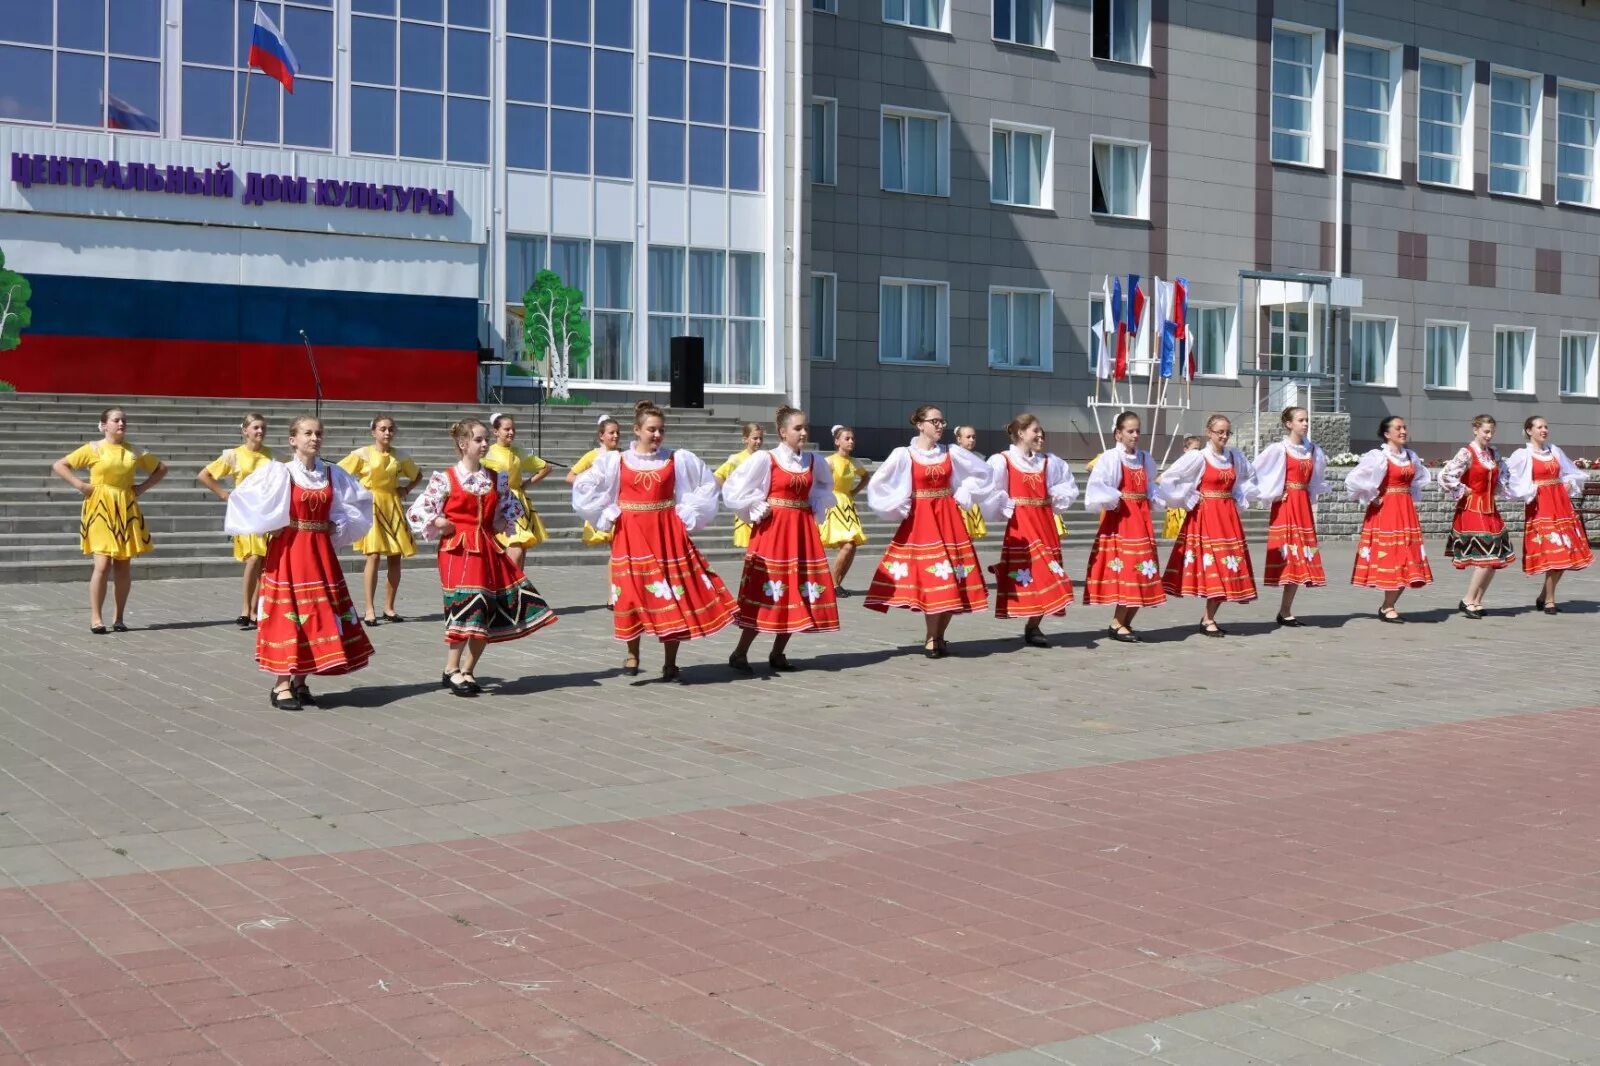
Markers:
<point>1160,397</point>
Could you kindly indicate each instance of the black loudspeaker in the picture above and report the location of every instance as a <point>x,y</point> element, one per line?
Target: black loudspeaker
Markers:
<point>688,372</point>
<point>485,355</point>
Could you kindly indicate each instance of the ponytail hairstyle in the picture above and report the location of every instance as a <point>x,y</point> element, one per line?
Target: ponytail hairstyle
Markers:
<point>645,409</point>
<point>600,426</point>
<point>461,432</point>
<point>1123,419</point>
<point>836,430</point>
<point>249,417</point>
<point>785,413</point>
<point>1288,414</point>
<point>383,416</point>
<point>922,412</point>
<point>1527,424</point>
<point>498,417</point>
<point>1015,427</point>
<point>1383,427</point>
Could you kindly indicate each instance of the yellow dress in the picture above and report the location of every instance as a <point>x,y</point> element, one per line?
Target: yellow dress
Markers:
<point>1174,525</point>
<point>591,535</point>
<point>510,462</point>
<point>842,524</point>
<point>974,522</point>
<point>380,474</point>
<point>741,528</point>
<point>112,523</point>
<point>239,463</point>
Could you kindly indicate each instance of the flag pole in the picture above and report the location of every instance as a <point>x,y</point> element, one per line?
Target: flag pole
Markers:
<point>245,117</point>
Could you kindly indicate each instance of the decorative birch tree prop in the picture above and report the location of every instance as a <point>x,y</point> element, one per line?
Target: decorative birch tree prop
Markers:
<point>555,330</point>
<point>14,314</point>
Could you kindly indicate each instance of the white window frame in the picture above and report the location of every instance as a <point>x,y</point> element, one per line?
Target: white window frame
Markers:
<point>1391,120</point>
<point>1317,147</point>
<point>1143,196</point>
<point>1465,131</point>
<point>943,325</point>
<point>1230,358</point>
<point>1047,315</point>
<point>944,15</point>
<point>1591,388</point>
<point>1047,185</point>
<point>942,181</point>
<point>826,7</point>
<point>1533,185</point>
<point>1391,356</point>
<point>1463,361</point>
<point>1046,45</point>
<point>830,145</point>
<point>831,322</point>
<point>1593,148</point>
<point>1530,362</point>
<point>1142,14</point>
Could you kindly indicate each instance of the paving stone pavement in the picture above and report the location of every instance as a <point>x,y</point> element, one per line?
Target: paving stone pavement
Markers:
<point>878,860</point>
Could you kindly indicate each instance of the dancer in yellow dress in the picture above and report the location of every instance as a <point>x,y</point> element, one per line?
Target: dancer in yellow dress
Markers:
<point>238,463</point>
<point>841,527</point>
<point>754,434</point>
<point>607,438</point>
<point>381,469</point>
<point>967,438</point>
<point>112,528</point>
<point>1176,515</point>
<point>521,471</point>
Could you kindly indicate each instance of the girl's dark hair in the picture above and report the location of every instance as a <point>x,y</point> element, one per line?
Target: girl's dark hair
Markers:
<point>784,414</point>
<point>1015,427</point>
<point>1288,414</point>
<point>497,418</point>
<point>1123,419</point>
<point>840,429</point>
<point>922,412</point>
<point>600,427</point>
<point>1527,424</point>
<point>643,410</point>
<point>1383,427</point>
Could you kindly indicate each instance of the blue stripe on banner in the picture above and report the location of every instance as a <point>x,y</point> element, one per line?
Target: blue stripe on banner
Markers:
<point>253,314</point>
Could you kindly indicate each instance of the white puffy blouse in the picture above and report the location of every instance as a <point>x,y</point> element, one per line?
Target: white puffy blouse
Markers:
<point>260,504</point>
<point>889,491</point>
<point>1365,481</point>
<point>1266,485</point>
<point>1059,484</point>
<point>1103,491</point>
<point>1450,477</point>
<point>1180,485</point>
<point>695,491</point>
<point>427,507</point>
<point>746,490</point>
<point>1520,465</point>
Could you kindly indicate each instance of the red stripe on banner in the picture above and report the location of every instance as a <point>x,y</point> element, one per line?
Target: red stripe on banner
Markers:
<point>272,65</point>
<point>129,367</point>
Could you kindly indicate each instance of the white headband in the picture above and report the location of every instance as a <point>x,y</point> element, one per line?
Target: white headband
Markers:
<point>603,419</point>
<point>497,416</point>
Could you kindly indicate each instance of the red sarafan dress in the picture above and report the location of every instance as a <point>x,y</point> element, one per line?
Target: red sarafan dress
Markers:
<point>1123,570</point>
<point>1477,532</point>
<point>787,586</point>
<point>1390,554</point>
<point>308,624</point>
<point>661,583</point>
<point>485,595</point>
<point>1210,559</point>
<point>930,565</point>
<point>1293,555</point>
<point>1029,580</point>
<point>1553,537</point>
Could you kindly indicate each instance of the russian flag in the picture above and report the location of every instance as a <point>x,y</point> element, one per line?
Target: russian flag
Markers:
<point>121,115</point>
<point>270,53</point>
<point>1120,368</point>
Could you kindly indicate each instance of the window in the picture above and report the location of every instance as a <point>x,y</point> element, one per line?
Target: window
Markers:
<point>1575,146</point>
<point>1119,186</point>
<point>927,14</point>
<point>912,318</point>
<point>1289,339</point>
<point>1513,360</point>
<point>824,317</point>
<point>1211,341</point>
<point>1513,134</point>
<point>706,93</point>
<point>722,295</point>
<point>1444,136</point>
<point>1578,376</point>
<point>569,88</point>
<point>916,152</point>
<point>1023,21</point>
<point>1022,165</point>
<point>1020,323</point>
<point>1371,94</point>
<point>1122,30</point>
<point>824,140</point>
<point>1372,354</point>
<point>1444,350</point>
<point>216,50</point>
<point>1297,96</point>
<point>420,84</point>
<point>827,7</point>
<point>83,63</point>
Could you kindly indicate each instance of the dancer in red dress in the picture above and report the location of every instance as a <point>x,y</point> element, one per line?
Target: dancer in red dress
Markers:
<point>1478,540</point>
<point>1390,554</point>
<point>1122,562</point>
<point>653,498</point>
<point>1290,476</point>
<point>487,598</point>
<point>307,624</point>
<point>1210,557</point>
<point>929,566</point>
<point>1553,538</point>
<point>1031,488</point>
<point>787,587</point>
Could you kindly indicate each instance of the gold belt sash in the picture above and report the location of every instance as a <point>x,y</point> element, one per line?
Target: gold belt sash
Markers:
<point>1029,501</point>
<point>311,527</point>
<point>1135,496</point>
<point>660,505</point>
<point>932,494</point>
<point>1294,485</point>
<point>793,505</point>
<point>1544,483</point>
<point>1396,490</point>
<point>1216,495</point>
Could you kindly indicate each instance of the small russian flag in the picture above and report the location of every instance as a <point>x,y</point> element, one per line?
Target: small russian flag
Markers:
<point>121,115</point>
<point>270,53</point>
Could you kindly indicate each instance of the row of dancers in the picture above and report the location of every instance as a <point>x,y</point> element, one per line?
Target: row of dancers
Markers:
<point>645,501</point>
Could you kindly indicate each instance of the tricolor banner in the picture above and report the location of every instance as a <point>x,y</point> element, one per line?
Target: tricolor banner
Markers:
<point>270,52</point>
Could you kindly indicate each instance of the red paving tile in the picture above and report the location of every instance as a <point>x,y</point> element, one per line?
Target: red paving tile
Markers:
<point>905,926</point>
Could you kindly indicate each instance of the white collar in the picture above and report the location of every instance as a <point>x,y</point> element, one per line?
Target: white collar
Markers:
<point>462,473</point>
<point>1402,459</point>
<point>1133,458</point>
<point>936,450</point>
<point>1221,462</point>
<point>312,477</point>
<point>1299,451</point>
<point>1026,461</point>
<point>788,453</point>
